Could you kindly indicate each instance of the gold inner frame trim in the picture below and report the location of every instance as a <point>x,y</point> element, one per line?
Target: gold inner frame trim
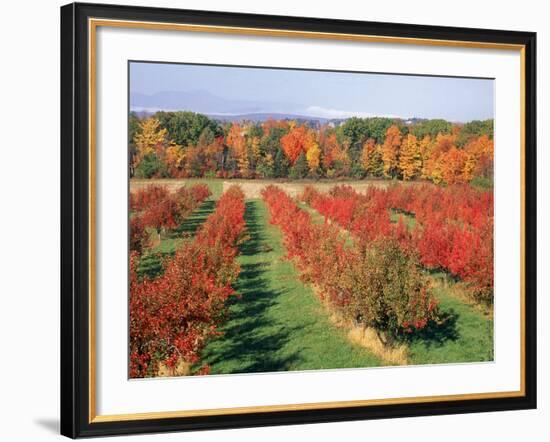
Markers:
<point>93,24</point>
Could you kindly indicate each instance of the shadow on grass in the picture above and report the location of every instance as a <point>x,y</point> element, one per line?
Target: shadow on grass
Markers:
<point>195,220</point>
<point>251,340</point>
<point>151,266</point>
<point>437,333</point>
<point>257,243</point>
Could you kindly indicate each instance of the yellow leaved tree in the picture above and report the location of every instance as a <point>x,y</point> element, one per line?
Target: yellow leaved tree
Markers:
<point>237,142</point>
<point>390,151</point>
<point>313,154</point>
<point>410,159</point>
<point>150,137</point>
<point>151,140</point>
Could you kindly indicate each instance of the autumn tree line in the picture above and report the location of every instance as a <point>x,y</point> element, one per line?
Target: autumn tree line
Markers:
<point>187,144</point>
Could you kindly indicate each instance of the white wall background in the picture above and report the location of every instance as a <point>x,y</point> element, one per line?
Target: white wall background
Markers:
<point>29,225</point>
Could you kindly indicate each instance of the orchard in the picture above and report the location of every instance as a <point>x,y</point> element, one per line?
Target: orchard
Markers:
<point>295,220</point>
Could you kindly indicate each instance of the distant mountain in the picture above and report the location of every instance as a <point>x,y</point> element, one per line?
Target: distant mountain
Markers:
<point>256,118</point>
<point>263,116</point>
<point>225,110</point>
<point>199,101</point>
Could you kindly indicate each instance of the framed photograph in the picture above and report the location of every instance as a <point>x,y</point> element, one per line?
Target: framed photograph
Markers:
<point>272,220</point>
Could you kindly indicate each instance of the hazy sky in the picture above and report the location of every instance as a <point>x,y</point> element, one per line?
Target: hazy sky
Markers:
<point>322,94</point>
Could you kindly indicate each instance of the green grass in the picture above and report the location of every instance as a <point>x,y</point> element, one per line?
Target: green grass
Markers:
<point>277,324</point>
<point>409,220</point>
<point>466,335</point>
<point>483,183</point>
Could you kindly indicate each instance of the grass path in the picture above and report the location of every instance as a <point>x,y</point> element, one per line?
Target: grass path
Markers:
<point>278,323</point>
<point>465,336</point>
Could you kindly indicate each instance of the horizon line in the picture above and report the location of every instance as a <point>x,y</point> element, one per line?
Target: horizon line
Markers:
<point>302,116</point>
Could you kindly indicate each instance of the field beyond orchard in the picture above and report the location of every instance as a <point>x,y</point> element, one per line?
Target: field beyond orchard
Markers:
<point>253,188</point>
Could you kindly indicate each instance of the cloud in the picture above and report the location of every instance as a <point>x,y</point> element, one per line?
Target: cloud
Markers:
<point>322,112</point>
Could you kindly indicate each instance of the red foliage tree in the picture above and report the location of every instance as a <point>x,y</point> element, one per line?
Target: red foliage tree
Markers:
<point>139,237</point>
<point>147,196</point>
<point>163,215</point>
<point>172,316</point>
<point>452,225</point>
<point>296,142</point>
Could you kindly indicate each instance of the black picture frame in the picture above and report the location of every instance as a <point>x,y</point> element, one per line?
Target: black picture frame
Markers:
<point>75,220</point>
